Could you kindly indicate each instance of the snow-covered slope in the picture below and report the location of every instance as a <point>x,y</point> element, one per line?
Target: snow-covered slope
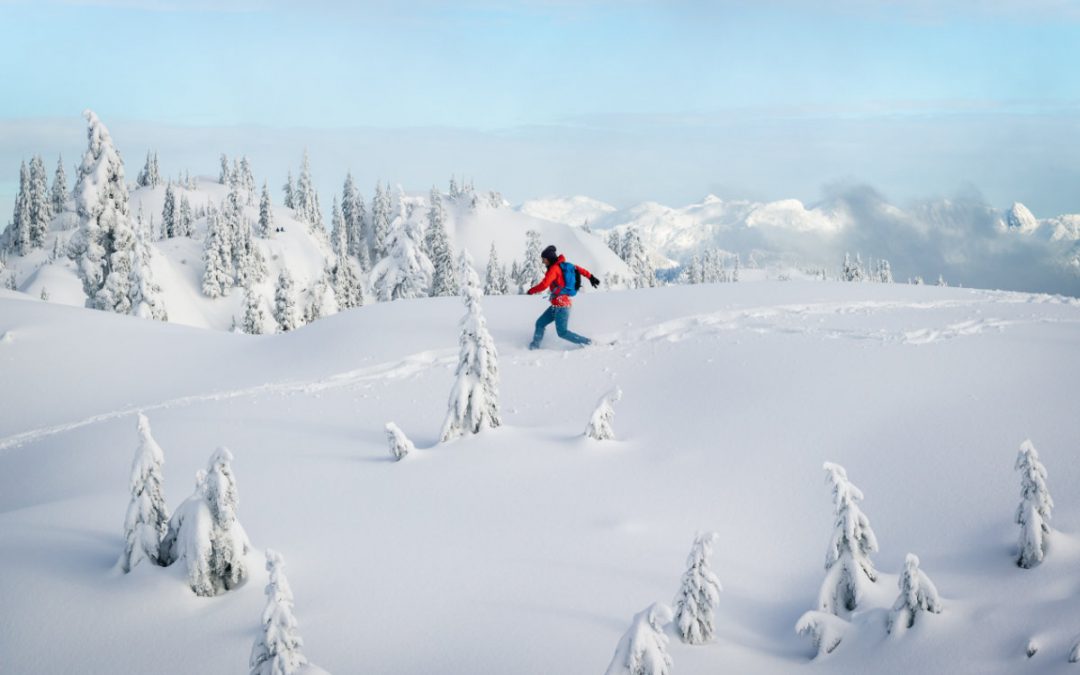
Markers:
<point>578,210</point>
<point>529,549</point>
<point>178,263</point>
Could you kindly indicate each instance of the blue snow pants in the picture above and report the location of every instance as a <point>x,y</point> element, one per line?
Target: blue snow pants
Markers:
<point>561,317</point>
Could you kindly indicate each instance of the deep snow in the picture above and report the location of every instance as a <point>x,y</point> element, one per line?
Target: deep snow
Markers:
<point>529,549</point>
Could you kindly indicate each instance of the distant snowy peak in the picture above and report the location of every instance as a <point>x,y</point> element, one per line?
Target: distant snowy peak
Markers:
<point>575,211</point>
<point>1019,219</point>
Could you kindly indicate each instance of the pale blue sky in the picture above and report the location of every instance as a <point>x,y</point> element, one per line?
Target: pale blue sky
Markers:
<point>625,101</point>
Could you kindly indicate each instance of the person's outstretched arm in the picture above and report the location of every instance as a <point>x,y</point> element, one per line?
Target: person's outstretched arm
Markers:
<point>545,282</point>
<point>593,279</point>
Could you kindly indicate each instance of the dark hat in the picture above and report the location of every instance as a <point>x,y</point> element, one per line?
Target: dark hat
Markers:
<point>549,254</point>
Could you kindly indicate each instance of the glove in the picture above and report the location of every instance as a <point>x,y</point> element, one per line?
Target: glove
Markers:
<point>595,281</point>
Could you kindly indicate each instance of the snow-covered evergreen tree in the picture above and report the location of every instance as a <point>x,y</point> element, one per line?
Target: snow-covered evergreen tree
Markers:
<point>694,270</point>
<point>286,313</point>
<point>58,196</point>
<point>437,245</point>
<point>168,212</point>
<point>941,281</point>
<point>339,235</point>
<point>266,214</point>
<point>853,270</point>
<point>885,272</point>
<point>380,224</point>
<point>614,242</point>
<point>532,270</point>
<point>1035,508</point>
<point>495,282</point>
<point>352,211</point>
<point>344,276</point>
<point>643,648</point>
<point>638,260</point>
<point>848,567</point>
<point>826,630</point>
<point>399,444</point>
<point>103,245</point>
<point>305,199</point>
<point>185,221</point>
<point>917,594</point>
<point>217,256</point>
<point>40,206</point>
<point>205,534</point>
<point>277,648</point>
<point>599,427</point>
<point>695,603</point>
<point>474,399</point>
<point>248,263</point>
<point>254,321</point>
<point>735,269</point>
<point>144,294</point>
<point>149,175</point>
<point>247,181</point>
<point>225,175</point>
<point>405,272</point>
<point>515,276</point>
<point>147,516</point>
<point>17,234</point>
<point>289,189</point>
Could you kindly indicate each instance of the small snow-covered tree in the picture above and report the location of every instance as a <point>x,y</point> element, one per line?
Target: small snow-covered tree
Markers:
<point>826,630</point>
<point>144,294</point>
<point>495,282</point>
<point>1033,512</point>
<point>614,242</point>
<point>637,258</point>
<point>643,649</point>
<point>205,534</point>
<point>352,210</point>
<point>735,269</point>
<point>532,270</point>
<point>304,197</point>
<point>277,648</point>
<point>848,567</point>
<point>289,189</point>
<point>399,443</point>
<point>474,399</point>
<point>599,427</point>
<point>18,233</point>
<point>59,193</point>
<point>150,176</point>
<point>217,256</point>
<point>266,214</point>
<point>247,181</point>
<point>286,313</point>
<point>917,594</point>
<point>695,604</point>
<point>438,248</point>
<point>185,221</point>
<point>147,515</point>
<point>885,272</point>
<point>254,321</point>
<point>344,276</point>
<point>168,212</point>
<point>405,272</point>
<point>380,224</point>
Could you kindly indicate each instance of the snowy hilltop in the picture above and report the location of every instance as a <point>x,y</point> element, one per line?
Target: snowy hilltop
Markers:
<point>655,505</point>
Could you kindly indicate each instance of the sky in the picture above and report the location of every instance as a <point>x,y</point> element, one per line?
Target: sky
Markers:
<point>624,101</point>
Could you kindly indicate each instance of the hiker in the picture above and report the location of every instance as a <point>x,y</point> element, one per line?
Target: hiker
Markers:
<point>564,279</point>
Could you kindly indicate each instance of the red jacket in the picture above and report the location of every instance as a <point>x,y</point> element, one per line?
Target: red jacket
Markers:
<point>554,279</point>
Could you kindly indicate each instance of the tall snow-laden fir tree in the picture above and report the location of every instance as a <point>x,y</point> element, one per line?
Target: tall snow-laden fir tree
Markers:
<point>17,234</point>
<point>1033,512</point>
<point>344,276</point>
<point>217,256</point>
<point>643,649</point>
<point>185,221</point>
<point>286,313</point>
<point>266,214</point>
<point>144,293</point>
<point>638,260</point>
<point>352,210</point>
<point>305,199</point>
<point>614,242</point>
<point>853,270</point>
<point>247,260</point>
<point>399,444</point>
<point>405,272</point>
<point>225,175</point>
<point>532,270</point>
<point>205,534</point>
<point>848,567</point>
<point>474,399</point>
<point>147,516</point>
<point>254,321</point>
<point>247,181</point>
<point>289,190</point>
<point>40,206</point>
<point>695,604</point>
<point>885,272</point>
<point>515,275</point>
<point>495,282</point>
<point>599,427</point>
<point>58,196</point>
<point>168,212</point>
<point>277,648</point>
<point>437,245</point>
<point>917,594</point>
<point>380,224</point>
<point>150,176</point>
<point>103,245</point>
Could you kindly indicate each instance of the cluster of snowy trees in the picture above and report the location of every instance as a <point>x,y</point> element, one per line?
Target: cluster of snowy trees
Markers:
<point>629,246</point>
<point>205,535</point>
<point>35,206</point>
<point>709,268</point>
<point>876,270</point>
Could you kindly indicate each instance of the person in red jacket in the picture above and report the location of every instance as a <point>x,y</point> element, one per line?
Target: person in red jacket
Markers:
<point>561,299</point>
